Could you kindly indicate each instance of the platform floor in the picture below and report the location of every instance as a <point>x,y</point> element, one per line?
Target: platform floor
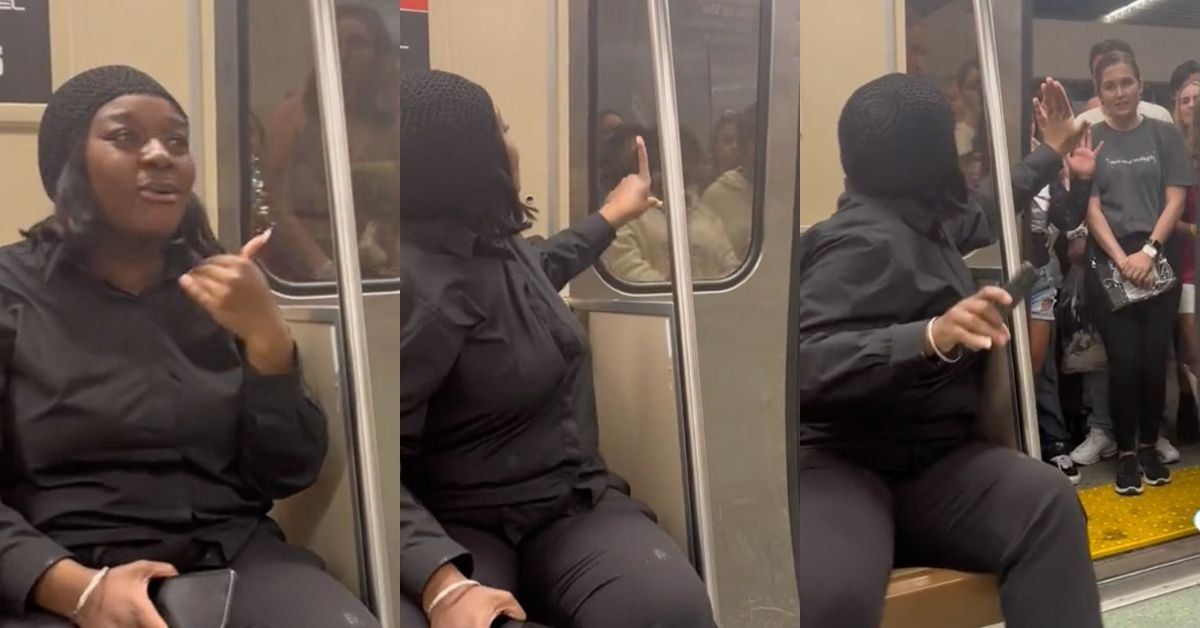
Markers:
<point>1175,610</point>
<point>1118,524</point>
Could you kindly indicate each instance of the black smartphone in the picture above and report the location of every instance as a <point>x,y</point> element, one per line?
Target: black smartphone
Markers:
<point>196,600</point>
<point>1020,287</point>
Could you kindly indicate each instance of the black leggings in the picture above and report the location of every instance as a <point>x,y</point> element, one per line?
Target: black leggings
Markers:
<point>1137,339</point>
<point>277,585</point>
<point>612,566</point>
<point>979,508</point>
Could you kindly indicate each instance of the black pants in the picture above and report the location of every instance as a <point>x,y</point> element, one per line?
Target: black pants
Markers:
<point>612,566</point>
<point>1137,339</point>
<point>980,508</point>
<point>278,586</point>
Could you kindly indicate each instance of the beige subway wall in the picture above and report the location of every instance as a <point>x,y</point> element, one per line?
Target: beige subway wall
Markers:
<point>826,81</point>
<point>88,33</point>
<point>1060,48</point>
<point>504,46</point>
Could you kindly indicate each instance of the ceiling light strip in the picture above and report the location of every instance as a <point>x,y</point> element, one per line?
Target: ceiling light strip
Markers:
<point>1128,11</point>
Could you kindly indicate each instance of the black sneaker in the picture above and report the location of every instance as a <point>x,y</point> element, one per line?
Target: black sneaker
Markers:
<point>1153,469</point>
<point>1129,475</point>
<point>1067,466</point>
<point>1057,454</point>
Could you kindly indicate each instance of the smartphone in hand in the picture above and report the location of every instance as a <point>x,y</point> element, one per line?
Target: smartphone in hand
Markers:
<point>1020,287</point>
<point>195,600</point>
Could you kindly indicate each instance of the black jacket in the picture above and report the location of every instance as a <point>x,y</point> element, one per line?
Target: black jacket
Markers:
<point>868,280</point>
<point>133,428</point>
<point>497,410</point>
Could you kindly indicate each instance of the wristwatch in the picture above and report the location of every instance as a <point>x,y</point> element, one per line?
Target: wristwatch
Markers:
<point>1152,248</point>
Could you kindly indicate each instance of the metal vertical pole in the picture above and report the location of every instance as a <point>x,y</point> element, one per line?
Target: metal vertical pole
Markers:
<point>989,67</point>
<point>685,308</point>
<point>354,324</point>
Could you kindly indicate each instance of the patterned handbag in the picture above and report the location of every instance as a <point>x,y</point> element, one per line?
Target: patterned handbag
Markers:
<point>1121,293</point>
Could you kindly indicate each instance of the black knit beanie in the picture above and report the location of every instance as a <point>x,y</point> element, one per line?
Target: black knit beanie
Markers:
<point>69,113</point>
<point>896,135</point>
<point>453,163</point>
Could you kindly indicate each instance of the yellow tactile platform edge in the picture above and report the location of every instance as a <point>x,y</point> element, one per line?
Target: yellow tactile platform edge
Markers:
<point>1118,524</point>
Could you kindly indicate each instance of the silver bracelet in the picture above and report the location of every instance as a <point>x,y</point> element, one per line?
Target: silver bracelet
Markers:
<point>936,351</point>
<point>447,591</point>
<point>87,593</point>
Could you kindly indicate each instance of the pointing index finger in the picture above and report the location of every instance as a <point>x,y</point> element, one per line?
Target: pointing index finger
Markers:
<point>643,160</point>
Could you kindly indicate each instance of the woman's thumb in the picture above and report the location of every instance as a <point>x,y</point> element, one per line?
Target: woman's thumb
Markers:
<point>155,569</point>
<point>511,608</point>
<point>251,248</point>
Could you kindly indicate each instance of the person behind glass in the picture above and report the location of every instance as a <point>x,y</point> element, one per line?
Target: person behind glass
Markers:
<point>154,401</point>
<point>726,149</point>
<point>916,39</point>
<point>294,158</point>
<point>504,490</point>
<point>970,122</point>
<point>890,332</point>
<point>641,251</point>
<point>607,123</point>
<point>1137,199</point>
<point>731,196</point>
<point>971,165</point>
<point>1187,119</point>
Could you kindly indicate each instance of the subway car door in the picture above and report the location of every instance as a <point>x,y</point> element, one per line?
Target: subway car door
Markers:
<point>689,378</point>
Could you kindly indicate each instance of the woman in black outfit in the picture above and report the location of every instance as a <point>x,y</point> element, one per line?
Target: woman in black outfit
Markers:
<point>1140,185</point>
<point>153,403</point>
<point>503,480</point>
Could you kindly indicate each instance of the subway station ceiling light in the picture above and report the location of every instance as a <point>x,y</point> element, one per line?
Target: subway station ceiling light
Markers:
<point>1128,11</point>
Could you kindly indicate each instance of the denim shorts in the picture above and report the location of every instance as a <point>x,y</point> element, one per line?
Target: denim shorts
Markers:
<point>1043,297</point>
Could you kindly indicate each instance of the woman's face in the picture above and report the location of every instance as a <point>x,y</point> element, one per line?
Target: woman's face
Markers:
<point>139,165</point>
<point>1186,102</point>
<point>1120,90</point>
<point>726,154</point>
<point>973,173</point>
<point>356,47</point>
<point>972,90</point>
<point>950,92</point>
<point>510,147</point>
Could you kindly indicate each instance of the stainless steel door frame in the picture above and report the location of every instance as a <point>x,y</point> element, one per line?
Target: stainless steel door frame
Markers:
<point>1010,234</point>
<point>664,309</point>
<point>659,23</point>
<point>739,336</point>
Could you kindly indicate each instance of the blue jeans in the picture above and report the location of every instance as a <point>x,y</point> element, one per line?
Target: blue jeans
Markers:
<point>1049,408</point>
<point>1042,300</point>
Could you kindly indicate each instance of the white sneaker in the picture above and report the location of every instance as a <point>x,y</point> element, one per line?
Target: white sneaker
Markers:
<point>1097,445</point>
<point>1166,451</point>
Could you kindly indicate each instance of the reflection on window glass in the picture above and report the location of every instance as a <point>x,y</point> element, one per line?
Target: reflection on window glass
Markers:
<point>289,185</point>
<point>940,43</point>
<point>716,50</point>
